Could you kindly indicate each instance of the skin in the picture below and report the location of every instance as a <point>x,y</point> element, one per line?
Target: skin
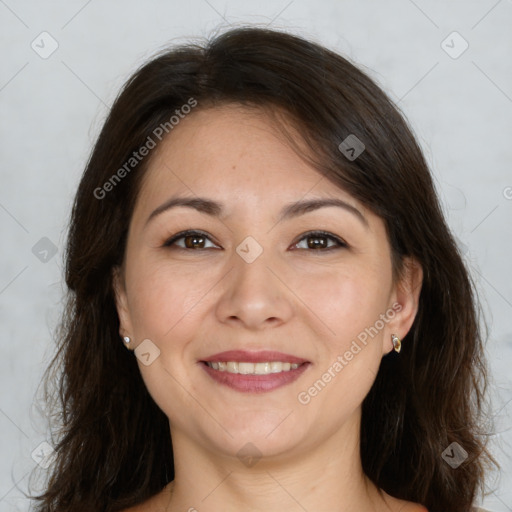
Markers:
<point>312,303</point>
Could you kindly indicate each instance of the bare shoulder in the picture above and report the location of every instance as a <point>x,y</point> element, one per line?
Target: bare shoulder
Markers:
<point>397,505</point>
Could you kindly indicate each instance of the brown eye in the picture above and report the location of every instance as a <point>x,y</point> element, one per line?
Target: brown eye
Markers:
<point>320,240</point>
<point>191,240</point>
<point>194,241</point>
<point>316,240</point>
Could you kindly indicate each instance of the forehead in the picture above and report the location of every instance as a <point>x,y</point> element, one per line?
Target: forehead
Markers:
<point>233,153</point>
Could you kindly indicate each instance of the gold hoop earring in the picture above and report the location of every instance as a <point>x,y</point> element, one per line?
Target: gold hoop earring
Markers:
<point>397,344</point>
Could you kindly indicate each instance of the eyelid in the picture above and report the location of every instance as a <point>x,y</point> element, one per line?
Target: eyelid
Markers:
<point>187,232</point>
<point>340,243</point>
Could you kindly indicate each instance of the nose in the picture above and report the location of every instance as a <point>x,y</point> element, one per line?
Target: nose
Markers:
<point>255,296</point>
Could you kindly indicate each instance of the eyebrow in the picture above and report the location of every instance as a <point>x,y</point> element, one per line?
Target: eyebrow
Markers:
<point>291,210</point>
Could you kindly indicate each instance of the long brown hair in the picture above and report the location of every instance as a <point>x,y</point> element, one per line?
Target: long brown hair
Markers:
<point>113,448</point>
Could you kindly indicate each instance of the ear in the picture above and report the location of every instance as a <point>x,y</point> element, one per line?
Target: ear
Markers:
<point>125,325</point>
<point>404,301</point>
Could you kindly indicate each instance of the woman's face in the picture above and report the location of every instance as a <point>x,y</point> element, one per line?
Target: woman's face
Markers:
<point>257,276</point>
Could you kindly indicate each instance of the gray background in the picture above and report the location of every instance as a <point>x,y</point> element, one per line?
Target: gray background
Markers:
<point>52,108</point>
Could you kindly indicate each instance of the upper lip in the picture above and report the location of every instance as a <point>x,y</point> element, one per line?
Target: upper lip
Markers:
<point>254,357</point>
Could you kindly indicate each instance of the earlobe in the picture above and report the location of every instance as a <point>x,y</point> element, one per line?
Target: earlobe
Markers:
<point>407,293</point>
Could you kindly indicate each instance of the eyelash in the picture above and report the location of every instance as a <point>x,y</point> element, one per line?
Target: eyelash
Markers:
<point>310,234</point>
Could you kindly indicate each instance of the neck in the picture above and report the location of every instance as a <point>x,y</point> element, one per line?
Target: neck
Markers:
<point>307,478</point>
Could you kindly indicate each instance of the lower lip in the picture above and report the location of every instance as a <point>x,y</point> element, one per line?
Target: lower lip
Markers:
<point>255,383</point>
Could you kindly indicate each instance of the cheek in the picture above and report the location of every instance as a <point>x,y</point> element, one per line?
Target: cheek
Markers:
<point>165,301</point>
<point>162,295</point>
<point>360,345</point>
<point>348,305</point>
<point>345,301</point>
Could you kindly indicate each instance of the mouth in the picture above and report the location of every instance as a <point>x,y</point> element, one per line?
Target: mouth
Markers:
<point>254,372</point>
<point>246,368</point>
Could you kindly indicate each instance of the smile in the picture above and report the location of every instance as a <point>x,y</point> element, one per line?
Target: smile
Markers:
<point>263,368</point>
<point>258,377</point>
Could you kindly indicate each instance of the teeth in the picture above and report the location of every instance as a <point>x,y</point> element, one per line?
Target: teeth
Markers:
<point>265,368</point>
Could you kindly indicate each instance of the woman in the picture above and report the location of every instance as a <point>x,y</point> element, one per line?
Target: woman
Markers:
<point>259,229</point>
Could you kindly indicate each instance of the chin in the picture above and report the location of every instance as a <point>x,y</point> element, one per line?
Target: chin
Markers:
<point>270,434</point>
